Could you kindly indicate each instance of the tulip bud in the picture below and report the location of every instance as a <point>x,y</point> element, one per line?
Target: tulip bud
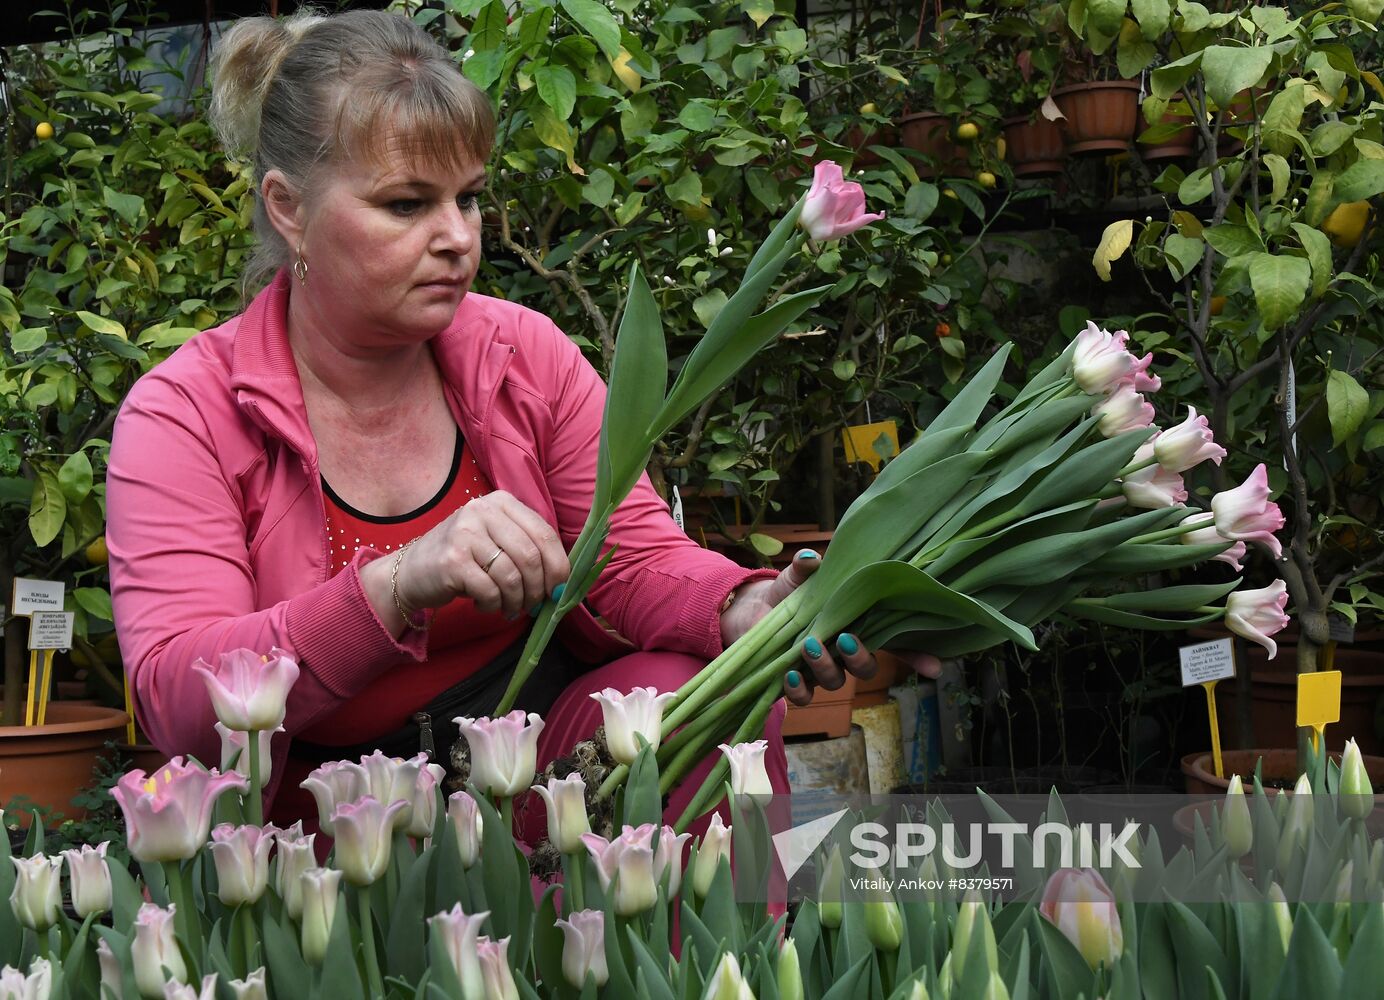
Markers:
<point>504,751</point>
<point>831,890</point>
<point>234,757</point>
<point>626,715</point>
<point>631,855</point>
<point>37,985</point>
<point>972,918</point>
<point>1282,915</point>
<point>154,949</point>
<point>918,991</point>
<point>37,895</point>
<point>296,855</point>
<point>364,836</point>
<point>1356,792</point>
<point>1078,903</point>
<point>249,691</point>
<point>423,815</point>
<point>714,848</point>
<point>1297,826</point>
<point>834,207</point>
<point>944,977</point>
<point>182,991</point>
<point>789,971</point>
<point>1187,444</point>
<point>727,982</point>
<point>465,821</point>
<point>252,987</point>
<point>320,887</point>
<point>668,858</point>
<point>91,879</point>
<point>565,799</point>
<point>458,934</point>
<point>884,924</point>
<point>494,959</point>
<point>241,856</point>
<point>748,775</point>
<point>1236,829</point>
<point>583,948</point>
<point>996,990</point>
<point>112,975</point>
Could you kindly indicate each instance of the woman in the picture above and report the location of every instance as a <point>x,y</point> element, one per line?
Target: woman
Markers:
<point>374,467</point>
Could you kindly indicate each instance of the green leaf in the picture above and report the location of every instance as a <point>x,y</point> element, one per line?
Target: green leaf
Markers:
<point>1233,240</point>
<point>47,508</point>
<point>127,206</point>
<point>1230,69</point>
<point>558,89</point>
<point>697,116</point>
<point>1167,80</point>
<point>766,545</point>
<point>1318,248</point>
<point>95,601</point>
<point>599,188</point>
<point>1280,285</point>
<point>1183,252</point>
<point>101,324</point>
<point>1279,171</point>
<point>1311,966</point>
<point>1362,179</point>
<point>687,189</point>
<point>709,306</point>
<point>1328,137</point>
<point>759,11</point>
<point>1347,404</point>
<point>1153,16</point>
<point>74,477</point>
<point>1134,53</point>
<point>554,133</point>
<point>28,340</point>
<point>921,201</point>
<point>1105,16</point>
<point>598,22</point>
<point>1283,117</point>
<point>638,378</point>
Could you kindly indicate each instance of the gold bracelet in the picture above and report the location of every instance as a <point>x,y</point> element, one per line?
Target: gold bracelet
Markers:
<point>404,611</point>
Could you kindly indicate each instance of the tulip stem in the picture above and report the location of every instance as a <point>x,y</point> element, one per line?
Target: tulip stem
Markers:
<point>571,877</point>
<point>256,803</point>
<point>367,937</point>
<point>507,813</point>
<point>710,793</point>
<point>248,936</point>
<point>1173,532</point>
<point>180,891</point>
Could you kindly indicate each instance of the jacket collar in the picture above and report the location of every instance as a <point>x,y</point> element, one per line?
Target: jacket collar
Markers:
<point>470,355</point>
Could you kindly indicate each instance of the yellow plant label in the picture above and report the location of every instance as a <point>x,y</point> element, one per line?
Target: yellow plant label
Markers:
<point>1319,698</point>
<point>862,442</point>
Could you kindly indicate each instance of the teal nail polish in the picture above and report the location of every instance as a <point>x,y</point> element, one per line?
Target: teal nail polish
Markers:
<point>813,647</point>
<point>808,554</point>
<point>533,611</point>
<point>794,678</point>
<point>847,644</point>
<point>557,591</point>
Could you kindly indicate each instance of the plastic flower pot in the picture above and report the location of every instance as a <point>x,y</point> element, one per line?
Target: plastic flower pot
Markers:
<point>1101,116</point>
<point>828,716</point>
<point>929,133</point>
<point>1279,771</point>
<point>1034,147</point>
<point>1180,145</point>
<point>51,763</point>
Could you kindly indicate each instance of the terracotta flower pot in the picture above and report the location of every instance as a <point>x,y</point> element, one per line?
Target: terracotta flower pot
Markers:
<point>49,764</point>
<point>1179,146</point>
<point>1101,116</point>
<point>1034,147</point>
<point>828,716</point>
<point>875,691</point>
<point>930,134</point>
<point>859,140</point>
<point>1279,766</point>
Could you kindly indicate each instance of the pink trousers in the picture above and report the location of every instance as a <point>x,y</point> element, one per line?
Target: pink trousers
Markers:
<point>575,716</point>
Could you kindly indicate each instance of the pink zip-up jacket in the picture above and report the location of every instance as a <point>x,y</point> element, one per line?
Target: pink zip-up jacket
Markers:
<point>217,530</point>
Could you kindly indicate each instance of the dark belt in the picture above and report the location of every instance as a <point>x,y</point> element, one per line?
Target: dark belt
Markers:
<point>432,730</point>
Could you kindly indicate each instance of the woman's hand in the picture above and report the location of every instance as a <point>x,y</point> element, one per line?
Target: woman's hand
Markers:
<point>493,550</point>
<point>825,664</point>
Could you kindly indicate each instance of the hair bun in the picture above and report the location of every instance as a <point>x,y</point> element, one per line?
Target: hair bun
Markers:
<point>246,59</point>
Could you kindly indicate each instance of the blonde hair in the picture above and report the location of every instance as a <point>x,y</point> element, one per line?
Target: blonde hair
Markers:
<point>308,92</point>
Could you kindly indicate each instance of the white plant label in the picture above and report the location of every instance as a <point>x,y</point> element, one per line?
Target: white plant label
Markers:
<point>37,595</point>
<point>51,630</point>
<point>1207,661</point>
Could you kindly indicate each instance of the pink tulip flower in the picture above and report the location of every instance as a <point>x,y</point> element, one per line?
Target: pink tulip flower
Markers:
<point>1246,513</point>
<point>624,715</point>
<point>241,856</point>
<point>1100,361</point>
<point>296,855</point>
<point>168,815</point>
<point>668,858</point>
<point>1139,379</point>
<point>494,959</point>
<point>332,784</point>
<point>631,856</point>
<point>1257,614</point>
<point>249,691</point>
<point>1153,487</point>
<point>1078,903</point>
<point>183,991</point>
<point>37,985</point>
<point>459,937</point>
<point>464,819</point>
<point>565,800</point>
<point>1187,444</point>
<point>36,898</point>
<point>748,775</point>
<point>233,751</point>
<point>504,751</point>
<point>393,779</point>
<point>834,207</point>
<point>1123,410</point>
<point>423,811</point>
<point>154,948</point>
<point>91,879</point>
<point>364,835</point>
<point>1210,536</point>
<point>583,948</point>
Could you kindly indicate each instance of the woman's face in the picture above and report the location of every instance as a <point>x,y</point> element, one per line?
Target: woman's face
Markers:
<point>392,250</point>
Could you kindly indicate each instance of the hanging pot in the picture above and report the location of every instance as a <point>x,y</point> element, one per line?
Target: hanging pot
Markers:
<point>1101,116</point>
<point>1034,147</point>
<point>930,134</point>
<point>1179,146</point>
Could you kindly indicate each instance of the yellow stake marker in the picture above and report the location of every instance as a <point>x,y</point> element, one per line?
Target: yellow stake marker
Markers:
<point>1210,687</point>
<point>1319,702</point>
<point>45,685</point>
<point>130,713</point>
<point>859,441</point>
<point>33,688</point>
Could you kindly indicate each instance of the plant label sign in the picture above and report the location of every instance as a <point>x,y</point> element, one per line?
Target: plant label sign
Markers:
<point>1207,661</point>
<point>51,630</point>
<point>1319,698</point>
<point>36,595</point>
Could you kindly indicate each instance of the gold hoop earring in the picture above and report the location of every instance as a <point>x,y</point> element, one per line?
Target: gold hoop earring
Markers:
<point>300,266</point>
